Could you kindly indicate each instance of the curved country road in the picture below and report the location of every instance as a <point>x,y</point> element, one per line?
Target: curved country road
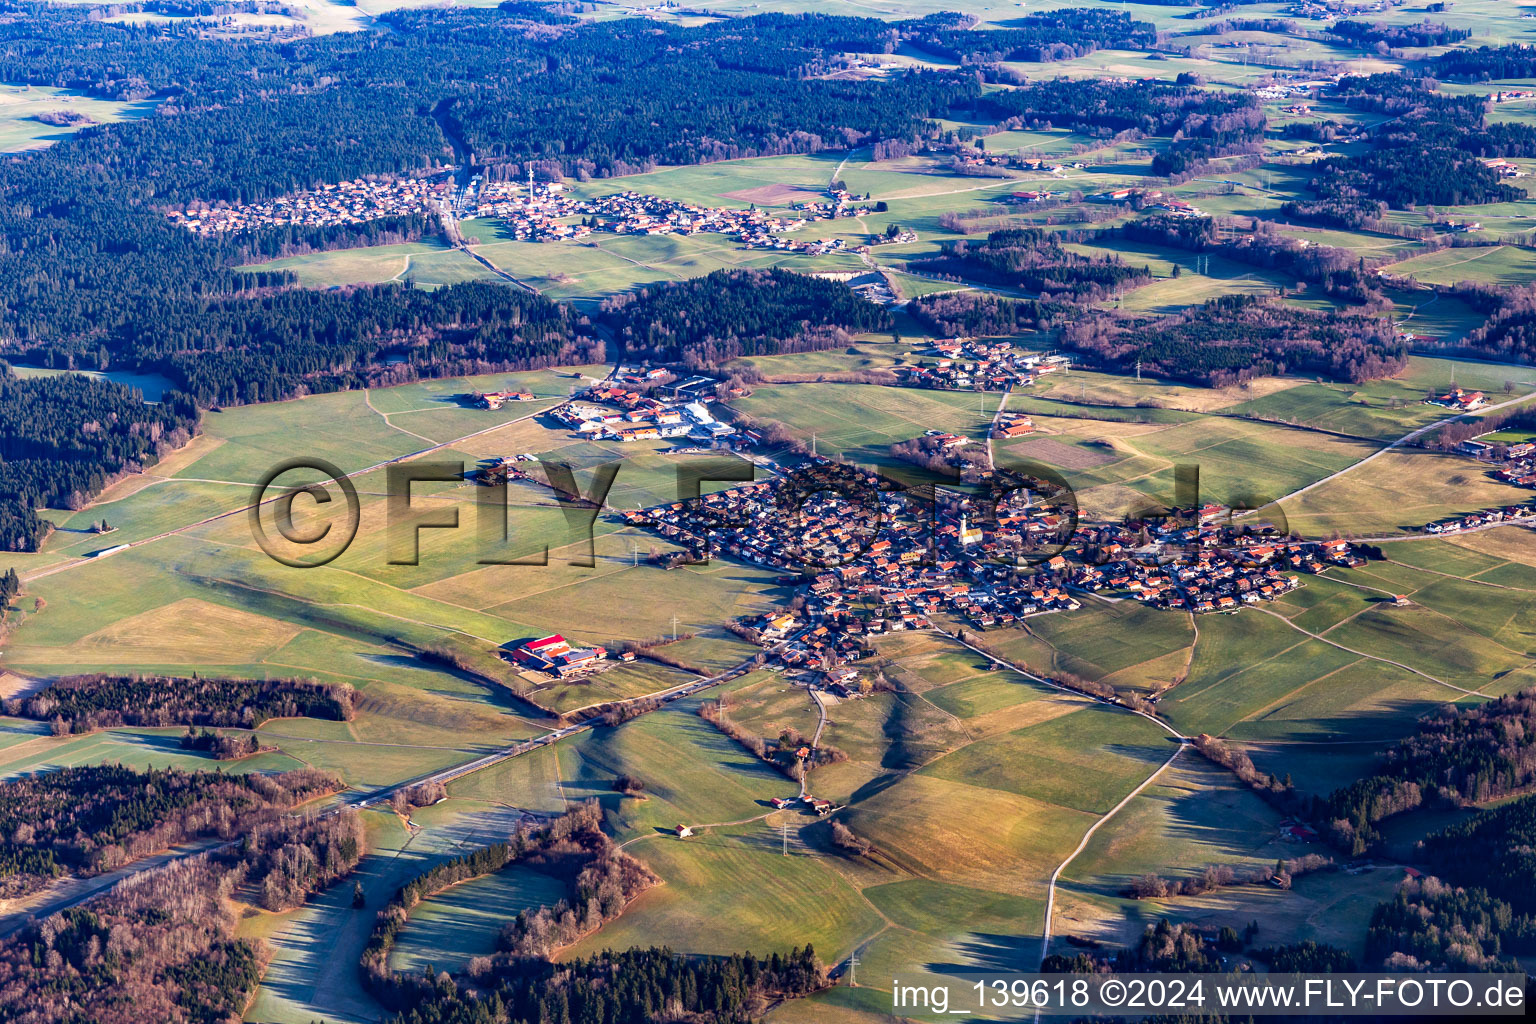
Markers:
<point>1412,435</point>
<point>1183,741</point>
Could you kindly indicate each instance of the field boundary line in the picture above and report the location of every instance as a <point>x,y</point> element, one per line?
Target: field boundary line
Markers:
<point>1050,894</point>
<point>1372,657</point>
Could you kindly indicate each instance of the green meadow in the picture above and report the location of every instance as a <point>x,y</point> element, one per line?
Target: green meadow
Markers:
<point>21,105</point>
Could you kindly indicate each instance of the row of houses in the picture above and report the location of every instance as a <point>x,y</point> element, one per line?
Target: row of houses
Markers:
<point>1522,514</point>
<point>1518,462</point>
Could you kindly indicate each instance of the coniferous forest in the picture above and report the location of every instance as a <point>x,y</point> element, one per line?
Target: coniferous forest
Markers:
<point>77,704</point>
<point>64,438</point>
<point>707,321</point>
<point>1033,259</point>
<point>95,818</point>
<point>1237,337</point>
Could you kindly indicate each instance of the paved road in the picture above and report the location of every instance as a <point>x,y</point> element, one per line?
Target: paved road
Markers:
<point>1183,741</point>
<point>821,723</point>
<point>1412,435</point>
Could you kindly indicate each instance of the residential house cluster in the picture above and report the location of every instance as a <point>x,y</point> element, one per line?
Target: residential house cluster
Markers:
<point>978,365</point>
<point>1509,514</point>
<point>879,571</point>
<point>537,212</point>
<point>1218,578</point>
<point>886,562</point>
<point>348,202</point>
<point>1324,10</point>
<point>1200,560</point>
<point>1519,464</point>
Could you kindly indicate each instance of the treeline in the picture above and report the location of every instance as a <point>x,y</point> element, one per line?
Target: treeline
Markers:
<point>288,860</point>
<point>1163,947</point>
<point>1309,957</point>
<point>1509,335</point>
<point>607,880</point>
<point>1428,152</point>
<point>1035,260</point>
<point>303,341</point>
<point>222,746</point>
<point>63,438</point>
<point>1382,36</point>
<point>162,946</point>
<point>1203,124</point>
<point>1379,36</point>
<point>1168,946</point>
<point>1236,338</point>
<point>1454,757</point>
<point>600,881</point>
<point>276,240</point>
<point>1484,913</point>
<point>730,313</point>
<point>1221,876</point>
<point>1430,925</point>
<point>980,314</point>
<point>1450,436</point>
<point>1495,849</point>
<point>91,819</point>
<point>76,704</point>
<point>597,100</point>
<point>1034,38</point>
<point>1341,274</point>
<point>1487,62</point>
<point>636,985</point>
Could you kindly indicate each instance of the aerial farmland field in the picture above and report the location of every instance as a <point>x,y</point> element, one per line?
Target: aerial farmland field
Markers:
<point>536,513</point>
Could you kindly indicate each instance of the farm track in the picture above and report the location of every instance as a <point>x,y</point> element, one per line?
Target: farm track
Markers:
<point>1183,741</point>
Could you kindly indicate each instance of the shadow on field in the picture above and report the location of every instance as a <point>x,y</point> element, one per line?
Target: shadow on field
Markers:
<point>1151,756</point>
<point>986,952</point>
<point>874,787</point>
